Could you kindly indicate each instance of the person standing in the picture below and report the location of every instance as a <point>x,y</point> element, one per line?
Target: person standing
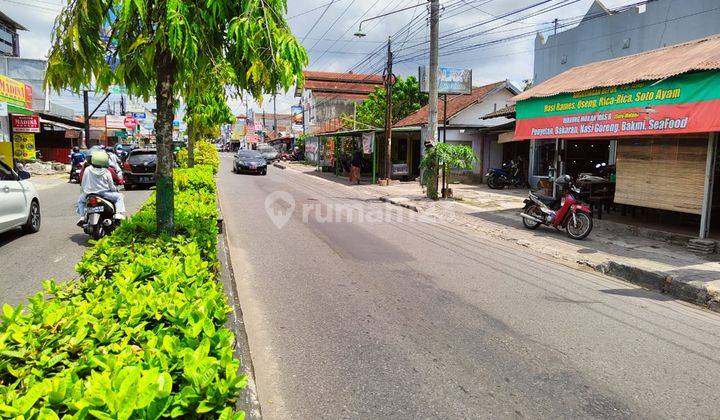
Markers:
<point>355,165</point>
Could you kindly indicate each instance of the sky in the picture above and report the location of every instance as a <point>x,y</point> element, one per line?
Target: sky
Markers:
<point>326,29</point>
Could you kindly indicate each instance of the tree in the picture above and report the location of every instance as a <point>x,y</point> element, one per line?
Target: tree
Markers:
<point>406,99</point>
<point>206,105</point>
<point>152,46</point>
<point>444,156</point>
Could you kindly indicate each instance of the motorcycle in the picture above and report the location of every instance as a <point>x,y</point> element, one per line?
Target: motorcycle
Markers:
<point>75,172</point>
<point>99,216</point>
<point>561,213</point>
<point>508,175</point>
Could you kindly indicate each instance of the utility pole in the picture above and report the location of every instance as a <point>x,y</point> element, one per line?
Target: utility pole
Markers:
<point>388,112</point>
<point>433,72</point>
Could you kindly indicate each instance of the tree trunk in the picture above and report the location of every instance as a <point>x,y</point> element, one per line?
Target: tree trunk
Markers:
<point>191,145</point>
<point>164,95</point>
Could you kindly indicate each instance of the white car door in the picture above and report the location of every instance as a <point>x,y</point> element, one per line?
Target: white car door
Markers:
<point>13,211</point>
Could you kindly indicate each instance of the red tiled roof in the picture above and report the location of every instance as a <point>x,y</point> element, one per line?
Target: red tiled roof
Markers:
<point>339,87</point>
<point>330,126</point>
<point>700,54</point>
<point>456,104</point>
<point>342,96</point>
<point>342,77</point>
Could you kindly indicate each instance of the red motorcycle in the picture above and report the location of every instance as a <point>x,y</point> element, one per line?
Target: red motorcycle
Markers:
<point>561,213</point>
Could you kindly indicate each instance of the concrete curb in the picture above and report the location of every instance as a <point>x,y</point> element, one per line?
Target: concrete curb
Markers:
<point>279,165</point>
<point>685,289</point>
<point>248,399</point>
<point>400,203</point>
<point>692,291</point>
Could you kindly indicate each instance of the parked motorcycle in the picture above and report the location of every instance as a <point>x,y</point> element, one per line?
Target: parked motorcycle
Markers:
<point>99,216</point>
<point>508,175</point>
<point>565,212</point>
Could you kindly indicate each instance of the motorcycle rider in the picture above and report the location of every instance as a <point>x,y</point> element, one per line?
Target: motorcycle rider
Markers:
<point>76,158</point>
<point>97,179</point>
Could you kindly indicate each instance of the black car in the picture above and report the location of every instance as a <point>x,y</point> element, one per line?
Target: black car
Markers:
<point>250,161</point>
<point>139,168</point>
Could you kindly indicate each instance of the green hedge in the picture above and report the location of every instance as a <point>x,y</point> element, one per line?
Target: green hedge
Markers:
<point>141,334</point>
<point>205,154</point>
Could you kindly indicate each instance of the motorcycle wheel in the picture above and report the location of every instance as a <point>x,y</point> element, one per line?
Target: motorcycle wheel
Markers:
<point>493,183</point>
<point>583,227</point>
<point>532,211</point>
<point>97,232</point>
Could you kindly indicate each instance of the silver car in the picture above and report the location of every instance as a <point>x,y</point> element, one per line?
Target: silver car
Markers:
<point>19,203</point>
<point>269,153</point>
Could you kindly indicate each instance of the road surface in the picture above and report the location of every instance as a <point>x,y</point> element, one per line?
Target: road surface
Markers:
<point>27,260</point>
<point>390,316</point>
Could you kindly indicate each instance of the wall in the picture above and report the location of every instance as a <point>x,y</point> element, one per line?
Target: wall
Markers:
<point>29,71</point>
<point>664,22</point>
<point>472,114</point>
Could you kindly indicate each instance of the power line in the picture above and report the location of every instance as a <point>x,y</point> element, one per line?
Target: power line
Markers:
<point>311,10</point>
<point>318,20</point>
<point>533,33</point>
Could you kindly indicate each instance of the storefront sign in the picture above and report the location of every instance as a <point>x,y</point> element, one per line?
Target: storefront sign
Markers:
<point>297,118</point>
<point>450,81</point>
<point>26,123</point>
<point>682,104</point>
<point>400,169</point>
<point>14,92</point>
<point>115,121</point>
<point>367,142</point>
<point>129,122</point>
<point>24,145</point>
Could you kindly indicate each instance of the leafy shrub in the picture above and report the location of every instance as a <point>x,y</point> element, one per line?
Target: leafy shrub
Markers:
<point>205,154</point>
<point>140,335</point>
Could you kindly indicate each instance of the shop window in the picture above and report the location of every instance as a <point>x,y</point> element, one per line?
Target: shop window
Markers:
<point>544,157</point>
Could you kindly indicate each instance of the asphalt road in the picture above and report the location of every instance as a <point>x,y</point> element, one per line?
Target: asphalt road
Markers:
<point>27,260</point>
<point>389,316</point>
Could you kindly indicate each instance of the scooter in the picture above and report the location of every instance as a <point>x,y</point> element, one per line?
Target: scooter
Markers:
<point>99,216</point>
<point>561,213</point>
<point>75,172</point>
<point>508,175</point>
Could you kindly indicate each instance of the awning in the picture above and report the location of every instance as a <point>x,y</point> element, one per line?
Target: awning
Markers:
<point>65,123</point>
<point>18,110</point>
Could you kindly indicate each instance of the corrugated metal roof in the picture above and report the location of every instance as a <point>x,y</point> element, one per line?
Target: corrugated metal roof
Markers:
<point>507,111</point>
<point>698,55</point>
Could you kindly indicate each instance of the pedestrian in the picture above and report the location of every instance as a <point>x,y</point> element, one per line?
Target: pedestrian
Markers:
<point>355,164</point>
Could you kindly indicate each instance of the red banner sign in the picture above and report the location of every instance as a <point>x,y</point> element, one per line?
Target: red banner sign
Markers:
<point>26,123</point>
<point>697,117</point>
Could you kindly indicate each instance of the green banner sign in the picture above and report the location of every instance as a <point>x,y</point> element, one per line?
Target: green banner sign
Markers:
<point>695,87</point>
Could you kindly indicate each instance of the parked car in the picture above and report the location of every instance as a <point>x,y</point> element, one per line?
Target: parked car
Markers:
<point>139,168</point>
<point>251,161</point>
<point>269,153</point>
<point>19,203</point>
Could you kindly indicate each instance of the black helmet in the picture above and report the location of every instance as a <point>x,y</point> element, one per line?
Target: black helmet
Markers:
<point>76,149</point>
<point>563,181</point>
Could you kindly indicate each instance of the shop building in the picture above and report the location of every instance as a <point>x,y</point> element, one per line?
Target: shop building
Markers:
<point>654,116</point>
<point>326,96</point>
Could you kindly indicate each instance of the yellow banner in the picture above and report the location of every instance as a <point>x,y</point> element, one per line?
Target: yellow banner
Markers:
<point>6,152</point>
<point>24,144</point>
<point>13,92</point>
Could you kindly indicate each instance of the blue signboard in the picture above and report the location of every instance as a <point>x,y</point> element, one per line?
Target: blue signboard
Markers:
<point>450,81</point>
<point>139,115</point>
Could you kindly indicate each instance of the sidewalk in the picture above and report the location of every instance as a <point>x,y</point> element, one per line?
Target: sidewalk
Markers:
<point>611,248</point>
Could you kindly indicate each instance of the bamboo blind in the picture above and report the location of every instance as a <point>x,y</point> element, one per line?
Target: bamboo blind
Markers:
<point>667,174</point>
